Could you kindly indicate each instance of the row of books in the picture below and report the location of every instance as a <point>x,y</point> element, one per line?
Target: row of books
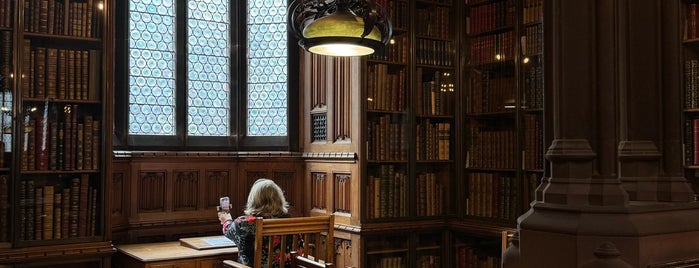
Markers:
<point>691,31</point>
<point>387,262</point>
<point>435,92</point>
<point>491,17</point>
<point>532,11</point>
<point>691,84</point>
<point>398,12</point>
<point>386,139</point>
<point>387,192</point>
<point>691,142</point>
<point>533,40</point>
<point>65,143</point>
<point>62,17</point>
<point>493,195</point>
<point>432,140</point>
<point>491,146</point>
<point>493,48</point>
<point>533,142</point>
<point>490,92</point>
<point>534,86</point>
<point>57,211</point>
<point>429,261</point>
<point>5,61</point>
<point>396,51</point>
<point>430,195</point>
<point>65,74</point>
<point>6,13</point>
<point>385,90</point>
<point>472,256</point>
<point>433,21</point>
<point>434,52</point>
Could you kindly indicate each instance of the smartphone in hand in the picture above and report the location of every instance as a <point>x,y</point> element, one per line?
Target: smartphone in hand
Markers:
<point>224,205</point>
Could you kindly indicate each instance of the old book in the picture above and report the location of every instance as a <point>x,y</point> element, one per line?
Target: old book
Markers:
<point>51,72</point>
<point>96,144</point>
<point>65,212</point>
<point>57,206</point>
<point>38,213</point>
<point>51,17</point>
<point>31,145</point>
<point>47,215</point>
<point>22,210</point>
<point>83,205</point>
<point>95,75</point>
<point>74,207</point>
<point>70,74</point>
<point>43,16</point>
<point>30,210</point>
<point>61,66</point>
<point>60,147</point>
<point>87,142</point>
<point>93,212</point>
<point>84,74</point>
<point>26,63</point>
<point>79,155</point>
<point>53,145</point>
<point>74,136</point>
<point>42,143</point>
<point>40,73</point>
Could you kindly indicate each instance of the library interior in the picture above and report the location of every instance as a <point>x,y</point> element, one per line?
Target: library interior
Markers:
<point>463,133</point>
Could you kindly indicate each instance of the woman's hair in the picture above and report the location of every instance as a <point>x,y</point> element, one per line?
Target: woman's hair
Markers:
<point>266,197</point>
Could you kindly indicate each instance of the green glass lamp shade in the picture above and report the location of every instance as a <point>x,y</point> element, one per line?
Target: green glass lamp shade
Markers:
<point>340,34</point>
<point>340,27</point>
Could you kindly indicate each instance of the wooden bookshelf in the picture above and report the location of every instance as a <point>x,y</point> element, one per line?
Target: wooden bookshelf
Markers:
<point>55,150</point>
<point>690,96</point>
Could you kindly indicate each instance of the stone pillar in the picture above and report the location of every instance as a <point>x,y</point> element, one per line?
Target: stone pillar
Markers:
<point>613,114</point>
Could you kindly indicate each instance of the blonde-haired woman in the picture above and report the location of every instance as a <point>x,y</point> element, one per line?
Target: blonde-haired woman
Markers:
<point>266,200</point>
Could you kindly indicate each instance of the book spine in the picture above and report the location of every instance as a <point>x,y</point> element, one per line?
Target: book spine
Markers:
<point>47,215</point>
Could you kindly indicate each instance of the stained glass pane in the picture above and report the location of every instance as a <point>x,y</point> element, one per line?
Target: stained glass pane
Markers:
<point>208,62</point>
<point>151,67</point>
<point>267,72</point>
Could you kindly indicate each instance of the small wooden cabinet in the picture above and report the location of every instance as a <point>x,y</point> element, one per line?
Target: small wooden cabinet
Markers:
<point>170,255</point>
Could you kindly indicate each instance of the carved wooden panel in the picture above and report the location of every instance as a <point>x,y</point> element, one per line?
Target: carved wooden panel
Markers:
<point>151,191</point>
<point>117,192</point>
<point>252,176</point>
<point>185,191</point>
<point>343,253</point>
<point>343,192</point>
<point>285,180</point>
<point>342,116</point>
<point>318,190</point>
<point>216,185</point>
<point>318,81</point>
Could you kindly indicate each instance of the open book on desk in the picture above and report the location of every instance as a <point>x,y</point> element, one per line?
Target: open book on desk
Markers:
<point>207,242</point>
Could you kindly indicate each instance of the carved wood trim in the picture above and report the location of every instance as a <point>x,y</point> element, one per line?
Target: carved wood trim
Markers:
<point>117,192</point>
<point>285,180</point>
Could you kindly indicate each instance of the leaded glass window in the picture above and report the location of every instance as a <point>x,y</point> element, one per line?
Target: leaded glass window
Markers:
<point>183,76</point>
<point>267,72</point>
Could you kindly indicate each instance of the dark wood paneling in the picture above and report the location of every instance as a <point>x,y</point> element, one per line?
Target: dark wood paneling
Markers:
<point>169,202</point>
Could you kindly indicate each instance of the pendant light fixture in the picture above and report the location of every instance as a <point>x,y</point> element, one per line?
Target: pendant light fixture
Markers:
<point>340,27</point>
